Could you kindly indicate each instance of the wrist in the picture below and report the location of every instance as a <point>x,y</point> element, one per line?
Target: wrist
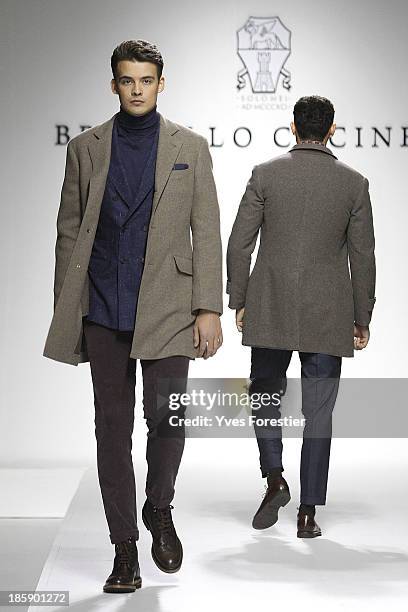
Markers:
<point>204,311</point>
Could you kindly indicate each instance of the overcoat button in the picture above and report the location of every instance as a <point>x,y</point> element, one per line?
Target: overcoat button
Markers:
<point>78,265</point>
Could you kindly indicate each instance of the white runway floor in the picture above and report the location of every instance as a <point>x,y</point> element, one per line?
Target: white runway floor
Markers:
<point>360,562</point>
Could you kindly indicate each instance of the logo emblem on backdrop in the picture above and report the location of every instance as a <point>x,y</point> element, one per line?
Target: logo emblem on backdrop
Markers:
<point>263,47</point>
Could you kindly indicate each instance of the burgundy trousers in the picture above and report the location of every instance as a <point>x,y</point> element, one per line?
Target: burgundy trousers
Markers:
<point>113,374</point>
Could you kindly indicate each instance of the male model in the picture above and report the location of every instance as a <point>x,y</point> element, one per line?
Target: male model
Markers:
<point>315,218</point>
<point>130,285</point>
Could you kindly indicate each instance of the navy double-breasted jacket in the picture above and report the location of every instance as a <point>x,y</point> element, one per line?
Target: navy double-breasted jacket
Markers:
<point>117,259</point>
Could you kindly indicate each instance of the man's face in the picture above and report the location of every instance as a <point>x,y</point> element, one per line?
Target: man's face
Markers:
<point>137,86</point>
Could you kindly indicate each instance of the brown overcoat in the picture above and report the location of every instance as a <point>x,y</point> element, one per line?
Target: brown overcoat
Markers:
<point>315,218</point>
<point>183,261</point>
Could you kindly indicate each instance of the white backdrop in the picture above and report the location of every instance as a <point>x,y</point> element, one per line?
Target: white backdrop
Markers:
<point>55,70</point>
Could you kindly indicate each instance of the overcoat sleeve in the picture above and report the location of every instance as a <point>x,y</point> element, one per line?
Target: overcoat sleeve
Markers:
<point>68,219</point>
<point>242,241</point>
<point>360,244</point>
<point>206,237</point>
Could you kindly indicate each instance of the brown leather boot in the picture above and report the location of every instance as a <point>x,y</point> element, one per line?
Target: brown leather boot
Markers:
<point>277,495</point>
<point>307,526</point>
<point>125,576</point>
<point>167,551</point>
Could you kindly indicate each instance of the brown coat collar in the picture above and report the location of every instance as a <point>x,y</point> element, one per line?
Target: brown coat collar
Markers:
<point>105,129</point>
<point>315,147</point>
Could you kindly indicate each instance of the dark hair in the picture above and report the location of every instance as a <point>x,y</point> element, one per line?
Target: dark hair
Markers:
<point>313,116</point>
<point>137,50</point>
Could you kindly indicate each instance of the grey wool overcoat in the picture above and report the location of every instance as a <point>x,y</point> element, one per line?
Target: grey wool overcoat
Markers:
<point>315,219</point>
<point>183,261</point>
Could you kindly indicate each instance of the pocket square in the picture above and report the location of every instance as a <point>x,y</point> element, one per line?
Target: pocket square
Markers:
<point>180,166</point>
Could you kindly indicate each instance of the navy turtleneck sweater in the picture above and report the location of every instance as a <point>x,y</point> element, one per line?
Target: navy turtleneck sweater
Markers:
<point>135,140</point>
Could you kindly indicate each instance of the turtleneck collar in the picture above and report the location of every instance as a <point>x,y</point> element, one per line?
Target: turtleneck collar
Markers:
<point>142,122</point>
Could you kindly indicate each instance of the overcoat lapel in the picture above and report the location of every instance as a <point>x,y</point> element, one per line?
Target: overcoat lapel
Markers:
<point>100,153</point>
<point>168,149</point>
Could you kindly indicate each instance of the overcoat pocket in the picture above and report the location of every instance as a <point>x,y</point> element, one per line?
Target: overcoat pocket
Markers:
<point>184,264</point>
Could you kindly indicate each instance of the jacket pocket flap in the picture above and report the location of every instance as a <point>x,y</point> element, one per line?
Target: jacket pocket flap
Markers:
<point>184,264</point>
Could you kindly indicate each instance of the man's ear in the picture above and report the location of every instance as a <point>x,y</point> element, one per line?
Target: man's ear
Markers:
<point>113,86</point>
<point>293,127</point>
<point>332,129</point>
<point>161,84</point>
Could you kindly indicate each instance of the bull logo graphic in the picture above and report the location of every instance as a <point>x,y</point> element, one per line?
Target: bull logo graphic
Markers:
<point>264,47</point>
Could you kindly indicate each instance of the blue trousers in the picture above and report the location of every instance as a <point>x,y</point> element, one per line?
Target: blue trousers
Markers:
<point>320,375</point>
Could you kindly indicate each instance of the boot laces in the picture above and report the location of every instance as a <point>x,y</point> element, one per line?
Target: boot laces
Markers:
<point>124,552</point>
<point>164,520</point>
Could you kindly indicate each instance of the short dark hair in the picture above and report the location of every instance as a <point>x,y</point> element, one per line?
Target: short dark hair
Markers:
<point>137,50</point>
<point>313,116</point>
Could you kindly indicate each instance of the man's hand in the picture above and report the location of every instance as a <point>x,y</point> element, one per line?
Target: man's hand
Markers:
<point>361,337</point>
<point>207,333</point>
<point>239,315</point>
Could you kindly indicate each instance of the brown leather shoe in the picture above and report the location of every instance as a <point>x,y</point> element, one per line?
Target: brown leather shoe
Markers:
<point>277,495</point>
<point>125,576</point>
<point>307,526</point>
